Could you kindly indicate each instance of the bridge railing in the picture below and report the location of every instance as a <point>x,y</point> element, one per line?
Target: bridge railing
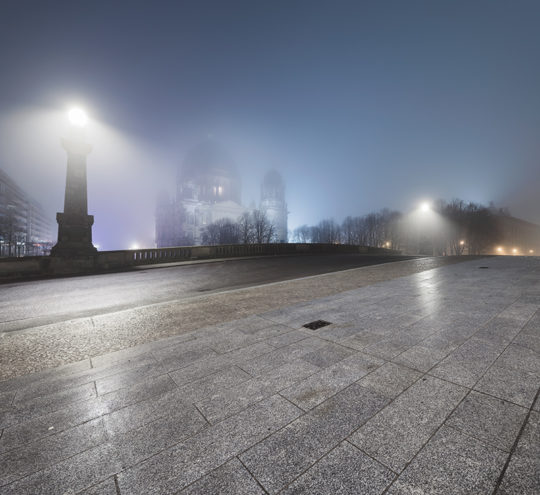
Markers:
<point>38,266</point>
<point>132,257</point>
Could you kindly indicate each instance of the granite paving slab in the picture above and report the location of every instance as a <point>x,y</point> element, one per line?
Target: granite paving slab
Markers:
<point>282,457</point>
<point>523,473</point>
<point>183,464</point>
<point>451,463</point>
<point>320,386</point>
<point>390,379</point>
<point>488,419</point>
<point>396,434</point>
<point>346,471</point>
<point>516,386</point>
<point>230,478</point>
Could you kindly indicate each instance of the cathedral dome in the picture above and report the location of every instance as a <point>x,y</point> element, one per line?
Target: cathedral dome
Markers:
<point>209,158</point>
<point>209,174</point>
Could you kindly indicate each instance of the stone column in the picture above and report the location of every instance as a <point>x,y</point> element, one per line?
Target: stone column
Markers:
<point>74,223</point>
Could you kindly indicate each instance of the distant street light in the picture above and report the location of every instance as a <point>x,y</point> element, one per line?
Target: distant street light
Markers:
<point>461,243</point>
<point>425,207</point>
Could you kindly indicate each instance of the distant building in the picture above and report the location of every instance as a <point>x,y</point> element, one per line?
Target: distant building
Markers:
<point>273,203</point>
<point>25,229</point>
<point>208,189</point>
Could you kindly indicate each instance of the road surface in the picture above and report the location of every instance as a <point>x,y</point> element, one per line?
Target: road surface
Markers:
<point>34,303</point>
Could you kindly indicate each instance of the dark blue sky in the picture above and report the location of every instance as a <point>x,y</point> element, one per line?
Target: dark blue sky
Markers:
<point>359,105</point>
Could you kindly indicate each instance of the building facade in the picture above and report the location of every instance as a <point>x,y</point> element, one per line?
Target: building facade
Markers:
<point>209,189</point>
<point>25,229</point>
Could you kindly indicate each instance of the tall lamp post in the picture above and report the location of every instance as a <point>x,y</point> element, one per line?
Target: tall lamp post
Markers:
<point>74,223</point>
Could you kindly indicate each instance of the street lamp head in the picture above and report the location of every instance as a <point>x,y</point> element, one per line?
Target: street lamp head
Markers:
<point>77,117</point>
<point>425,207</point>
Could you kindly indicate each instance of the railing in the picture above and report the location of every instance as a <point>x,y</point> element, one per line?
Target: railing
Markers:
<point>114,259</point>
<point>36,266</point>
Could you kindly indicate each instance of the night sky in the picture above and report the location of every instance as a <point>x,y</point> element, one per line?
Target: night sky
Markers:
<point>360,105</point>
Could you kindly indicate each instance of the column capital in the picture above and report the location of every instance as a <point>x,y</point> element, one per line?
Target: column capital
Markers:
<point>76,146</point>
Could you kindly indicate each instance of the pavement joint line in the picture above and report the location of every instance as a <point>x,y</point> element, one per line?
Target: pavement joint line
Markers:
<point>201,413</point>
<point>515,444</point>
<point>296,405</point>
<point>251,474</point>
<point>395,473</point>
<point>309,467</point>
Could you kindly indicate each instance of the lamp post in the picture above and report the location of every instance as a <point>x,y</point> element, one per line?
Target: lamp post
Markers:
<point>74,223</point>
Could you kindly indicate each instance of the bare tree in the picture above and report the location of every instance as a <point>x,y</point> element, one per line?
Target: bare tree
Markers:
<point>245,227</point>
<point>222,231</point>
<point>303,234</point>
<point>327,231</point>
<point>263,230</point>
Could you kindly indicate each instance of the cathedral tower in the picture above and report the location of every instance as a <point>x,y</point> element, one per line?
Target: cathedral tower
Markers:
<point>273,203</point>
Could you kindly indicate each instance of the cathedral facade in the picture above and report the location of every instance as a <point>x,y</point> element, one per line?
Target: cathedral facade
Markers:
<point>208,189</point>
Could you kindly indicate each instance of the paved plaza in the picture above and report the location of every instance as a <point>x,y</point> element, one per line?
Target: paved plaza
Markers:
<point>422,384</point>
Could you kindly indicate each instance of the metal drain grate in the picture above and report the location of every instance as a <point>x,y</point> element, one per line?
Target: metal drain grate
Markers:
<point>315,325</point>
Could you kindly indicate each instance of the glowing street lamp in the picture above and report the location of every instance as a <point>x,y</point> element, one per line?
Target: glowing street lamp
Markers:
<point>77,117</point>
<point>499,249</point>
<point>425,207</point>
<point>74,223</point>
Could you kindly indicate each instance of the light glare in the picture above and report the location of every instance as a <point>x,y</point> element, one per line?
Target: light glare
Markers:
<point>425,207</point>
<point>77,117</point>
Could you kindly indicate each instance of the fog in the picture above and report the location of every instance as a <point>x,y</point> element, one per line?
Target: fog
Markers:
<point>359,106</point>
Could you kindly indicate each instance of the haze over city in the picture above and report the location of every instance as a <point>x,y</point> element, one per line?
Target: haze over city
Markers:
<point>359,105</point>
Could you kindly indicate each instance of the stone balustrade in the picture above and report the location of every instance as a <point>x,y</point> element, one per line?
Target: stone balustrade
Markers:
<point>103,261</point>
